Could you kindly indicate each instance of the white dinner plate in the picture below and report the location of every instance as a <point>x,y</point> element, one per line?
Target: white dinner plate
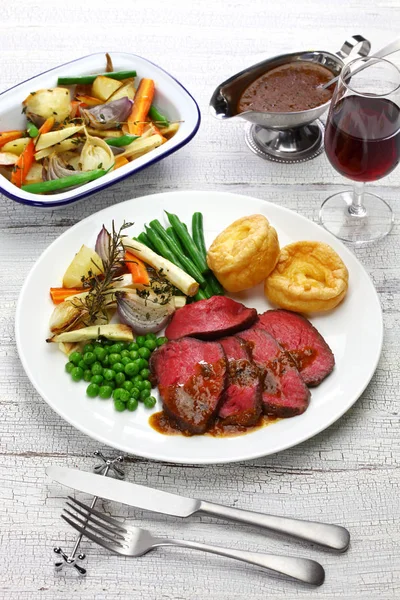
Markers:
<point>354,331</point>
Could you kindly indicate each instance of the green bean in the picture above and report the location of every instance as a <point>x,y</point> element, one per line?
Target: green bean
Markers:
<point>198,233</point>
<point>124,140</point>
<point>161,247</point>
<point>214,284</point>
<point>187,264</point>
<point>158,117</point>
<point>64,182</point>
<point>85,79</point>
<point>173,236</point>
<point>187,242</point>
<point>32,130</point>
<point>144,239</point>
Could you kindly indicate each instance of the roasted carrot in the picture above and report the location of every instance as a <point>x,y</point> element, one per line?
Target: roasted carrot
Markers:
<point>137,268</point>
<point>89,100</point>
<point>23,164</point>
<point>9,136</point>
<point>47,125</point>
<point>141,106</point>
<point>58,295</point>
<point>75,104</point>
<point>120,161</point>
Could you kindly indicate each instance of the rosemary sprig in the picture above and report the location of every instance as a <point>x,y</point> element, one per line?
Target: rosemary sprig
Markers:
<point>95,302</point>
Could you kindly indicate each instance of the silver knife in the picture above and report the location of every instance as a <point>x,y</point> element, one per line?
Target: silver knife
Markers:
<point>140,496</point>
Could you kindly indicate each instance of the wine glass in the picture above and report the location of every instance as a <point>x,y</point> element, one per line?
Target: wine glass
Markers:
<point>362,142</point>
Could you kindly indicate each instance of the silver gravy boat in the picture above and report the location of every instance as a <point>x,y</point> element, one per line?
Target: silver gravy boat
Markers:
<point>286,136</point>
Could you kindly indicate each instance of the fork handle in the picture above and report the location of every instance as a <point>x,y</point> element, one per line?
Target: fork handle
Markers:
<point>330,536</point>
<point>302,569</point>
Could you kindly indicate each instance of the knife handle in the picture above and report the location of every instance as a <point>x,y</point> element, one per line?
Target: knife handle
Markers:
<point>330,536</point>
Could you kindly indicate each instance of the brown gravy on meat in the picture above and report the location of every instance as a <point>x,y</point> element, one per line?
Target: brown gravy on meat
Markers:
<point>288,88</point>
<point>161,423</point>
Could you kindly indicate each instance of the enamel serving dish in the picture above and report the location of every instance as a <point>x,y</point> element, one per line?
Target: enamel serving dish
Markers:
<point>171,98</point>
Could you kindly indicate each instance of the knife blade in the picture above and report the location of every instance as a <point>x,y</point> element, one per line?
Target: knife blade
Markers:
<point>133,494</point>
<point>125,492</point>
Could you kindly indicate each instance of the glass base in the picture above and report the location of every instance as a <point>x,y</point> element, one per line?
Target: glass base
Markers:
<point>371,225</point>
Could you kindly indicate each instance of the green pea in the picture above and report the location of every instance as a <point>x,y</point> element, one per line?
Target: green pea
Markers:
<point>69,366</point>
<point>118,367</point>
<point>126,360</point>
<point>125,353</point>
<point>119,405</point>
<point>117,348</point>
<point>117,394</point>
<point>137,379</point>
<point>119,379</point>
<point>108,374</point>
<point>125,395</point>
<point>75,357</point>
<point>144,352</point>
<point>92,390</point>
<point>106,361</point>
<point>127,385</point>
<point>151,336</point>
<point>132,404</point>
<point>140,340</point>
<point>145,373</point>
<point>89,358</point>
<point>161,341</point>
<point>144,394</point>
<point>87,375</point>
<point>114,357</point>
<point>111,384</point>
<point>88,348</point>
<point>134,354</point>
<point>150,344</point>
<point>131,369</point>
<point>143,363</point>
<point>150,402</point>
<point>100,353</point>
<point>146,385</point>
<point>77,373</point>
<point>97,369</point>
<point>97,379</point>
<point>82,365</point>
<point>140,385</point>
<point>105,392</point>
<point>135,393</point>
<point>133,346</point>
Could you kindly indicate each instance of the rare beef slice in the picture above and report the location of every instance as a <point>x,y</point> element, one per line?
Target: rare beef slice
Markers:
<point>241,401</point>
<point>284,393</point>
<point>210,319</point>
<point>191,377</point>
<point>312,355</point>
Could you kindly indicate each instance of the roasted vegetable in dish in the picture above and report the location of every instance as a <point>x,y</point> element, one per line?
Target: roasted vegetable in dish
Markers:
<point>82,129</point>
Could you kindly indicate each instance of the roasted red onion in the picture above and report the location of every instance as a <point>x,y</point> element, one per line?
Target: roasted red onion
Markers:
<point>56,168</point>
<point>102,246</point>
<point>141,314</point>
<point>106,116</point>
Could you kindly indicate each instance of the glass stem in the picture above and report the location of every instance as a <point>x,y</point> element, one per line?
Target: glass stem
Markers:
<point>357,208</point>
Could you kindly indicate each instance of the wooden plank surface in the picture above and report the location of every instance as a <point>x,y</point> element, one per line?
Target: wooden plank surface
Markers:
<point>348,474</point>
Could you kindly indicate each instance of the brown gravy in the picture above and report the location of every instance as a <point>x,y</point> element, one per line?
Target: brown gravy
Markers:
<point>288,88</point>
<point>161,423</point>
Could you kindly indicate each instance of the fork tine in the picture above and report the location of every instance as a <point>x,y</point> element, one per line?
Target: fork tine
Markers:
<point>87,525</point>
<point>99,514</point>
<point>90,536</point>
<point>90,518</point>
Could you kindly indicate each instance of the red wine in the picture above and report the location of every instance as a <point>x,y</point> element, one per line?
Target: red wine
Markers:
<point>362,137</point>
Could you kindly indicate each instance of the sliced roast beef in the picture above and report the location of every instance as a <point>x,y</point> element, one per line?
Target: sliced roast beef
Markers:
<point>284,391</point>
<point>241,401</point>
<point>313,357</point>
<point>191,377</point>
<point>210,319</point>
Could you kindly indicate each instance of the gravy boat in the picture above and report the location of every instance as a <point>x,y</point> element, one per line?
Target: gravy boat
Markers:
<point>283,136</point>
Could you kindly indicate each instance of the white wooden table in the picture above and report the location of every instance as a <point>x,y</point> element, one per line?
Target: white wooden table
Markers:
<point>348,474</point>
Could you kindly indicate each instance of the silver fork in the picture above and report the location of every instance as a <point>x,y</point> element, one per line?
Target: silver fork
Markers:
<point>132,541</point>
